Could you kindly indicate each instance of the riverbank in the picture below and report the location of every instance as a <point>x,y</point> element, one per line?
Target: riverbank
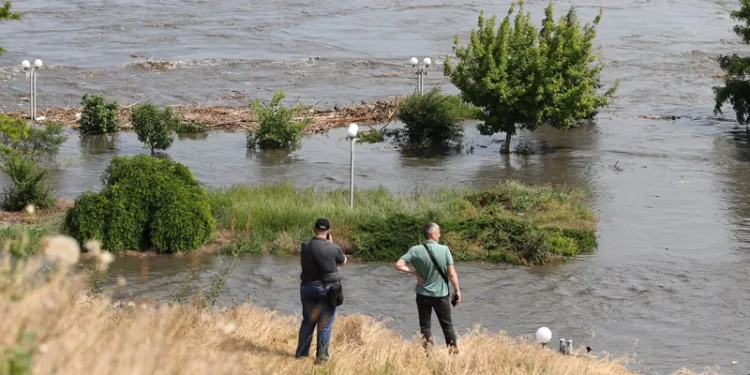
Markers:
<point>510,223</point>
<point>54,325</point>
<point>240,118</point>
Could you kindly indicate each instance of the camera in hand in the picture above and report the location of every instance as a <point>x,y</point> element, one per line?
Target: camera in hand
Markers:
<point>454,300</point>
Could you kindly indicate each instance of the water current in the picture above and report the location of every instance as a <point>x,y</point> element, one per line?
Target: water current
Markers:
<point>668,285</point>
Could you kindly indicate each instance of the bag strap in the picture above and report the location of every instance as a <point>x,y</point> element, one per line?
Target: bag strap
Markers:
<point>437,266</point>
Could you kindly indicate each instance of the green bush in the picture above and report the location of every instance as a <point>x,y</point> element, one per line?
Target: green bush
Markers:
<point>98,115</point>
<point>183,222</point>
<point>155,127</point>
<point>146,202</point>
<point>28,184</point>
<point>431,119</point>
<point>372,136</point>
<point>276,125</point>
<point>87,219</point>
<point>24,151</point>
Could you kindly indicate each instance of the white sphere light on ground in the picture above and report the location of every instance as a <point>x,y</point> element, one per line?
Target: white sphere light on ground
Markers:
<point>38,63</point>
<point>25,64</point>
<point>543,335</point>
<point>414,61</point>
<point>427,61</point>
<point>352,130</point>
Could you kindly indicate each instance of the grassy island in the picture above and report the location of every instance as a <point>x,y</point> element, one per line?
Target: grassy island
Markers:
<point>511,223</point>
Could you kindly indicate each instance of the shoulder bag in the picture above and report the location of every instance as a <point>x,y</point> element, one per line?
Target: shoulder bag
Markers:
<point>454,299</point>
<point>334,292</point>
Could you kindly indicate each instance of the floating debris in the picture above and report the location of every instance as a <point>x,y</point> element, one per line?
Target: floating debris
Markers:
<point>240,118</point>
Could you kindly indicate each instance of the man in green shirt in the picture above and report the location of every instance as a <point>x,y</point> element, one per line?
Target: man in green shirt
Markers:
<point>432,288</point>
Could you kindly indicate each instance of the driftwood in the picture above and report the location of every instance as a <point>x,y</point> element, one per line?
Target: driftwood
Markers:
<point>228,118</point>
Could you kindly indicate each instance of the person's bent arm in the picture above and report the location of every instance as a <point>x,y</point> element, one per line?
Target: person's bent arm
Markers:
<point>401,266</point>
<point>453,277</point>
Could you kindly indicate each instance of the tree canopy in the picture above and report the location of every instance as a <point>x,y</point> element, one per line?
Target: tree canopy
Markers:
<point>736,89</point>
<point>523,77</point>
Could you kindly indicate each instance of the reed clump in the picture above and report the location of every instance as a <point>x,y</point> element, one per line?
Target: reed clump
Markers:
<point>52,324</point>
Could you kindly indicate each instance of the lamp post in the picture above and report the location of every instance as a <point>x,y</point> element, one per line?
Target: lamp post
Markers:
<point>351,133</point>
<point>543,335</point>
<point>31,71</point>
<point>420,70</point>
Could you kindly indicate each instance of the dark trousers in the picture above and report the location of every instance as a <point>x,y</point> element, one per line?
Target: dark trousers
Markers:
<point>316,312</point>
<point>442,307</point>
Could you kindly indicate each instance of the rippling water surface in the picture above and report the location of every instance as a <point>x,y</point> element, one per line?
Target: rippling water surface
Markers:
<point>668,285</point>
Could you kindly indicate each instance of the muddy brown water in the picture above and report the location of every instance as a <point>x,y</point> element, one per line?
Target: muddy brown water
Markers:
<point>668,285</point>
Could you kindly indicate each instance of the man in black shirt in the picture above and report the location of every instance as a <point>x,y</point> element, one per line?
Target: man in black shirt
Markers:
<point>320,259</point>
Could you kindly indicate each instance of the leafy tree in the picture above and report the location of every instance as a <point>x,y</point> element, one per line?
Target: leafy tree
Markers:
<point>23,153</point>
<point>155,127</point>
<point>99,115</point>
<point>6,14</point>
<point>736,89</point>
<point>277,127</point>
<point>523,77</point>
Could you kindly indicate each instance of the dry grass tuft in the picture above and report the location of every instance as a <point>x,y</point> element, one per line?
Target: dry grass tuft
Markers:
<point>69,331</point>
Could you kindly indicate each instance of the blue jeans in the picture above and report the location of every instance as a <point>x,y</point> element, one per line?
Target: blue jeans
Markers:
<point>315,312</point>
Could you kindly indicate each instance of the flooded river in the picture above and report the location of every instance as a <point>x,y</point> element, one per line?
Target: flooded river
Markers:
<point>668,286</point>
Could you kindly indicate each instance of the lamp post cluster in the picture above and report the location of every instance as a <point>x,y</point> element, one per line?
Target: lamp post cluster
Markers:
<point>420,70</point>
<point>544,335</point>
<point>31,73</point>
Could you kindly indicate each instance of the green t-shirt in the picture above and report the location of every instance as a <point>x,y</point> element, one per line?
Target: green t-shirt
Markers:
<point>434,285</point>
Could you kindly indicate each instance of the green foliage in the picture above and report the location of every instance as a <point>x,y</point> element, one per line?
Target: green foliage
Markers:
<point>24,239</point>
<point>7,14</point>
<point>511,223</point>
<point>155,127</point>
<point>431,120</point>
<point>277,127</point>
<point>24,151</point>
<point>146,202</point>
<point>372,136</point>
<point>183,222</point>
<point>99,115</point>
<point>18,360</point>
<point>522,77</point>
<point>185,127</point>
<point>736,89</point>
<point>28,184</point>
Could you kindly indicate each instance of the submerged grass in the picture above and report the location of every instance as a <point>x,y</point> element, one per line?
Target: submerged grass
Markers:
<point>511,222</point>
<point>52,324</point>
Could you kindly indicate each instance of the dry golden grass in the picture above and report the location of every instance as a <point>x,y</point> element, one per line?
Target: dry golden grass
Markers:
<point>77,333</point>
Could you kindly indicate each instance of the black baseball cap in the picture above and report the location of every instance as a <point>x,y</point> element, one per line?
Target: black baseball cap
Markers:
<point>323,224</point>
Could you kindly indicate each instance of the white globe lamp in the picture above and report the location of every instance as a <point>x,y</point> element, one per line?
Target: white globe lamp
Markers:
<point>352,130</point>
<point>25,64</point>
<point>414,61</point>
<point>543,335</point>
<point>38,63</point>
<point>427,61</point>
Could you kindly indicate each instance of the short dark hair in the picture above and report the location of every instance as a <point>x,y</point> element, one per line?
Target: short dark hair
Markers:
<point>428,228</point>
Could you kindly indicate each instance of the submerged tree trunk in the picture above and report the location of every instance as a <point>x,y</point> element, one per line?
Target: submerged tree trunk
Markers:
<point>506,146</point>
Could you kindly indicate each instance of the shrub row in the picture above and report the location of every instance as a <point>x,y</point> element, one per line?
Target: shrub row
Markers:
<point>146,202</point>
